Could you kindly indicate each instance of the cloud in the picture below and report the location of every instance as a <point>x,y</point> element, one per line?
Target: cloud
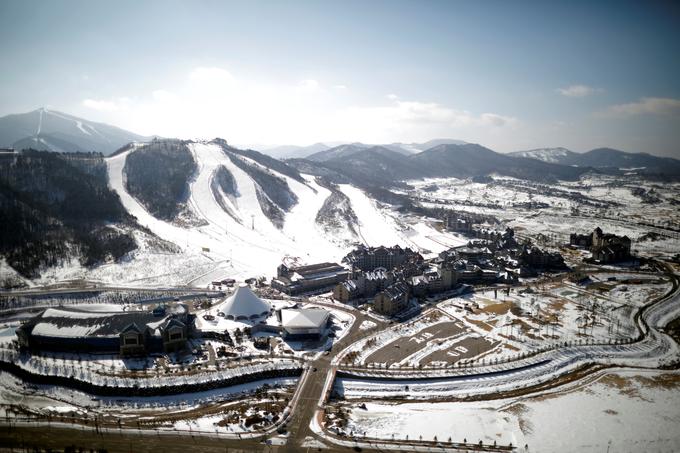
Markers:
<point>106,105</point>
<point>647,106</point>
<point>308,85</point>
<point>415,121</point>
<point>578,91</point>
<point>392,97</point>
<point>164,96</point>
<point>211,75</point>
<point>493,119</point>
<point>340,87</point>
<point>212,101</point>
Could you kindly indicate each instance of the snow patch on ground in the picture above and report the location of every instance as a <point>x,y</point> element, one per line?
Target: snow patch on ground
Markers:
<point>628,411</point>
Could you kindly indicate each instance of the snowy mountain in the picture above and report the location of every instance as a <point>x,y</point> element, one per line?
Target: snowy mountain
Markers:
<point>378,166</point>
<point>415,148</point>
<point>642,163</point>
<point>470,160</point>
<point>242,211</point>
<point>49,130</point>
<point>552,155</point>
<point>316,152</point>
<point>338,152</point>
<point>293,151</point>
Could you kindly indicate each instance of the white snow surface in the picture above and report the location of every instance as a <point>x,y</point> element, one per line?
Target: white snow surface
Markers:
<point>624,410</point>
<point>241,242</point>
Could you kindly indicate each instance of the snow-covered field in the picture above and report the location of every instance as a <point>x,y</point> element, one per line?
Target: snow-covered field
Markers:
<point>627,411</point>
<point>607,202</point>
<point>530,317</point>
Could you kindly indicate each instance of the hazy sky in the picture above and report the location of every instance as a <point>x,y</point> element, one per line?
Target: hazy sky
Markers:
<point>510,75</point>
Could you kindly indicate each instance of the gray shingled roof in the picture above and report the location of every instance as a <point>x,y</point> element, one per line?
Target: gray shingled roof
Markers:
<point>74,323</point>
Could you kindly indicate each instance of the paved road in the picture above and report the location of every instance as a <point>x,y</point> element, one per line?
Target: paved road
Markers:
<point>299,425</point>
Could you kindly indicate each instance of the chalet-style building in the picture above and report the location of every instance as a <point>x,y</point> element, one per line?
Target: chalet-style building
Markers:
<point>458,223</point>
<point>605,248</point>
<point>300,279</point>
<point>365,284</point>
<point>437,280</point>
<point>370,258</point>
<point>610,248</point>
<point>536,258</point>
<point>392,300</point>
<point>77,329</point>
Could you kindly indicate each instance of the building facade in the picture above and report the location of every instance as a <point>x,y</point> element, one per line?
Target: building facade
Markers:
<point>370,258</point>
<point>392,300</point>
<point>300,279</point>
<point>125,332</point>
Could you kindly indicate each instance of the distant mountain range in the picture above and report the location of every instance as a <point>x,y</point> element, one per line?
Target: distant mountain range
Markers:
<point>384,164</point>
<point>380,166</point>
<point>292,151</point>
<point>605,158</point>
<point>49,130</point>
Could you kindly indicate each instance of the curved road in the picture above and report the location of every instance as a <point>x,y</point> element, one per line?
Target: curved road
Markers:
<point>652,348</point>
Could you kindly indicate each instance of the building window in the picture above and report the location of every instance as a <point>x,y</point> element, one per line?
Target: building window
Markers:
<point>131,341</point>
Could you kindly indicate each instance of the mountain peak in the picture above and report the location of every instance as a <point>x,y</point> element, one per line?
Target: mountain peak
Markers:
<point>51,130</point>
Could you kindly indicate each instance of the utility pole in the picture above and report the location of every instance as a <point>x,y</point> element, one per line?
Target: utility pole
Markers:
<point>252,221</point>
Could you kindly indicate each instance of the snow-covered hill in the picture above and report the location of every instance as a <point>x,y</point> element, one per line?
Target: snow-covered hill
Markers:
<point>552,155</point>
<point>293,151</point>
<point>50,130</point>
<point>639,163</point>
<point>236,238</point>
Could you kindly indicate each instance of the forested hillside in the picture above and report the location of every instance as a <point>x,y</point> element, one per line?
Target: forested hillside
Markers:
<point>55,206</point>
<point>158,175</point>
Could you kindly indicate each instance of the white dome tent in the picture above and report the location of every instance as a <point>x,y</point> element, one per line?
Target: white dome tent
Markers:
<point>244,305</point>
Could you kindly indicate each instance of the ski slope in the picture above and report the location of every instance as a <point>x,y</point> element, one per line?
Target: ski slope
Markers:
<point>242,241</point>
<point>244,245</point>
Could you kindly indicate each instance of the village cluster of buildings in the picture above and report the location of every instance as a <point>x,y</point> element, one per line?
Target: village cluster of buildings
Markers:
<point>380,272</point>
<point>391,275</point>
<point>605,248</point>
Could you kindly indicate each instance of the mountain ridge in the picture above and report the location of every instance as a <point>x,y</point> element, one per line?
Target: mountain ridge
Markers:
<point>611,158</point>
<point>51,130</point>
